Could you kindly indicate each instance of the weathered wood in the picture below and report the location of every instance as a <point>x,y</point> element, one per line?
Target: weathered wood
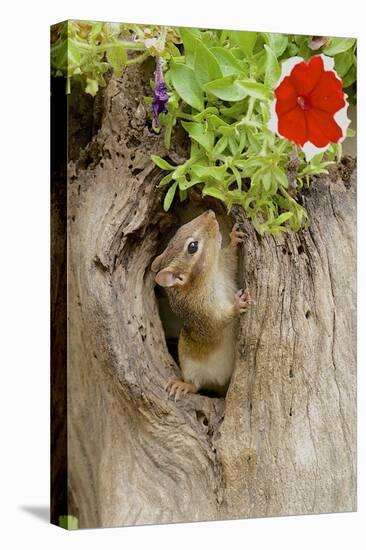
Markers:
<point>283,441</point>
<point>288,440</point>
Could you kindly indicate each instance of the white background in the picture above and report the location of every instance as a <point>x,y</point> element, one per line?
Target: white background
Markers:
<point>24,272</point>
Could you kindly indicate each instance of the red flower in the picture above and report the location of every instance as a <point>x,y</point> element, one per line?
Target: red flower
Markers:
<point>310,107</point>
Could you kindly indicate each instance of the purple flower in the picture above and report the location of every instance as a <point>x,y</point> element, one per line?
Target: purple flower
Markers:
<point>160,93</point>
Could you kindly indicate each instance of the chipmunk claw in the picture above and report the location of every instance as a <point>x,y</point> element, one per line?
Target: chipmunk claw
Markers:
<point>176,388</point>
<point>243,300</point>
<point>236,236</point>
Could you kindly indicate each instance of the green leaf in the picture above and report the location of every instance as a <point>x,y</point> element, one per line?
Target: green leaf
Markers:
<point>170,196</point>
<point>259,64</point>
<point>263,176</point>
<point>304,51</point>
<point>185,184</point>
<point>267,180</point>
<point>185,83</point>
<point>343,62</point>
<point>339,45</point>
<point>189,37</point>
<point>91,86</point>
<point>205,65</point>
<point>350,77</point>
<point>292,50</point>
<point>235,110</point>
<point>277,42</point>
<point>117,57</point>
<point>220,146</point>
<point>192,30</point>
<point>182,194</point>
<point>199,133</point>
<point>168,124</point>
<point>237,176</point>
<point>162,163</point>
<point>249,165</point>
<point>226,88</point>
<point>228,63</point>
<point>283,218</point>
<point>204,172</point>
<point>59,55</point>
<point>216,122</point>
<point>179,171</point>
<point>273,69</point>
<point>96,29</point>
<point>255,89</point>
<point>213,192</point>
<point>73,53</point>
<point>166,179</point>
<point>261,228</point>
<point>172,49</point>
<point>204,114</point>
<point>245,40</point>
<point>233,145</point>
<point>280,176</point>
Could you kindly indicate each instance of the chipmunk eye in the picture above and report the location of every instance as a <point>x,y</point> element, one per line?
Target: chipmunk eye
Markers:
<point>192,247</point>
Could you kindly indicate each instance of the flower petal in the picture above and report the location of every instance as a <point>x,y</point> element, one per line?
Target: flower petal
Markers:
<point>322,128</point>
<point>309,106</point>
<point>286,97</point>
<point>292,125</point>
<point>328,93</point>
<point>305,76</point>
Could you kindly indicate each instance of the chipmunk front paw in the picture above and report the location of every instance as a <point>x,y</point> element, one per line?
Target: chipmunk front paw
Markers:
<point>177,387</point>
<point>243,300</point>
<point>236,236</point>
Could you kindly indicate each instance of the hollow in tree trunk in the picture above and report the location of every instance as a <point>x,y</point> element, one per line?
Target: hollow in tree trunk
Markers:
<point>283,440</point>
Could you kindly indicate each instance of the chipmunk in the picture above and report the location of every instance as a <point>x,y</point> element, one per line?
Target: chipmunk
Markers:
<point>199,277</point>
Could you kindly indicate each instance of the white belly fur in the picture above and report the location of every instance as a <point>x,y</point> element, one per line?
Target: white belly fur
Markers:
<point>216,369</point>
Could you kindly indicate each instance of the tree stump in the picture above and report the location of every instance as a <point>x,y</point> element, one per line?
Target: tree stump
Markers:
<point>283,440</point>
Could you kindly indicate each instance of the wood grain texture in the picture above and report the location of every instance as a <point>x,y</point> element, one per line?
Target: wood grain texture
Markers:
<point>292,401</point>
<point>283,441</point>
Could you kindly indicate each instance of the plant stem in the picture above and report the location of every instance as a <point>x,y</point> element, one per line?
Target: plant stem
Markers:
<point>286,195</point>
<point>125,43</point>
<point>245,122</point>
<point>184,115</point>
<point>138,59</point>
<point>250,107</point>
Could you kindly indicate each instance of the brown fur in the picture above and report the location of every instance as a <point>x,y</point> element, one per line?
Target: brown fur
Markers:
<point>191,285</point>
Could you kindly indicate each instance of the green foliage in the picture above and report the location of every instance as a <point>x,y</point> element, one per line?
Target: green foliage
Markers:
<point>184,81</point>
<point>88,50</point>
<point>220,87</point>
<point>220,91</point>
<point>339,45</point>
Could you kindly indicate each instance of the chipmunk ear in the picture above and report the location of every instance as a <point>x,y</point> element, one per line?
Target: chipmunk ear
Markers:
<point>155,266</point>
<point>168,278</point>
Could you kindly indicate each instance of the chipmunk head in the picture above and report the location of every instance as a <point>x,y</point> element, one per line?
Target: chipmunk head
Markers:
<point>191,252</point>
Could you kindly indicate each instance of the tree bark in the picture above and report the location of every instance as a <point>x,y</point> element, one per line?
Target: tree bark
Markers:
<point>292,401</point>
<point>283,440</point>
